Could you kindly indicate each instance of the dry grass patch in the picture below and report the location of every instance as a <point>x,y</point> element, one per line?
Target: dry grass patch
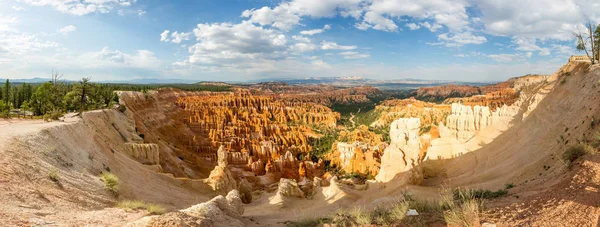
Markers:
<point>111,182</point>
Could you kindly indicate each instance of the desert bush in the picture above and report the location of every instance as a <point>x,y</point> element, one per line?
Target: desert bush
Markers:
<point>572,153</point>
<point>53,175</point>
<point>509,186</point>
<point>141,205</point>
<point>111,182</point>
<point>52,116</point>
<point>463,208</point>
<point>459,194</point>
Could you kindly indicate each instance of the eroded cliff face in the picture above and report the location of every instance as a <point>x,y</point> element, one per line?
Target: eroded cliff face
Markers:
<point>400,160</point>
<point>470,123</point>
<point>465,121</point>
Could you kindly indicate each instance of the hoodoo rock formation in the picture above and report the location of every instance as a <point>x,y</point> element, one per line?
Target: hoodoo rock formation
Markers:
<point>220,178</point>
<point>400,160</point>
<point>361,153</point>
<point>256,131</point>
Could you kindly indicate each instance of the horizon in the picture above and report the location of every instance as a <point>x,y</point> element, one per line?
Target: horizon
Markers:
<point>235,41</point>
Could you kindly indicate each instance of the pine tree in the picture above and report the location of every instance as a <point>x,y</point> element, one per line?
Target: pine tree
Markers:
<point>6,90</point>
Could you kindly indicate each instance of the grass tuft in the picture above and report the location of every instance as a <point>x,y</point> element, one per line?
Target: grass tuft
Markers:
<point>572,153</point>
<point>111,182</point>
<point>53,175</point>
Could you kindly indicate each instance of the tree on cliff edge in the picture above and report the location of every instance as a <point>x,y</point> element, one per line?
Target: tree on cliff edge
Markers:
<point>590,39</point>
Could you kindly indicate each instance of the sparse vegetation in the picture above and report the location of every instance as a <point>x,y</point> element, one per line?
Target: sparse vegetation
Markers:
<point>509,186</point>
<point>461,210</point>
<point>479,193</point>
<point>53,175</point>
<point>572,153</point>
<point>111,182</point>
<point>464,209</point>
<point>122,108</point>
<point>153,209</point>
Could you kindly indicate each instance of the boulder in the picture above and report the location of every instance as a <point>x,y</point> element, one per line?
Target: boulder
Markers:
<point>220,211</point>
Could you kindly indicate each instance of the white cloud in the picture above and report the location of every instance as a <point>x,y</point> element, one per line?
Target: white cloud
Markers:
<point>68,29</point>
<point>164,37</point>
<point>7,23</point>
<point>303,44</point>
<point>316,31</point>
<point>23,44</point>
<point>300,38</point>
<point>227,44</point>
<point>450,13</point>
<point>334,46</point>
<point>459,39</point>
<point>530,44</point>
<point>288,14</point>
<point>141,13</point>
<point>378,22</point>
<point>177,37</point>
<point>18,8</point>
<point>562,49</point>
<point>79,7</point>
<point>303,47</point>
<point>109,58</point>
<point>432,27</point>
<point>413,26</point>
<point>504,58</point>
<point>354,55</point>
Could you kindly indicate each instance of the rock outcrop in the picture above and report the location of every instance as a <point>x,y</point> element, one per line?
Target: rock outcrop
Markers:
<point>361,154</point>
<point>220,178</point>
<point>144,153</point>
<point>245,189</point>
<point>465,121</point>
<point>401,159</point>
<point>220,211</point>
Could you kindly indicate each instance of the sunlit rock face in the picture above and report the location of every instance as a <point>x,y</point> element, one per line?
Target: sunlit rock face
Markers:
<point>144,153</point>
<point>359,153</point>
<point>465,121</point>
<point>220,178</point>
<point>401,158</point>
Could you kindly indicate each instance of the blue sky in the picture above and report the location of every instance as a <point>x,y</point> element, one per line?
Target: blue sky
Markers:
<point>235,40</point>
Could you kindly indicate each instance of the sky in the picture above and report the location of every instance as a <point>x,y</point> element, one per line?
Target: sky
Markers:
<point>236,40</point>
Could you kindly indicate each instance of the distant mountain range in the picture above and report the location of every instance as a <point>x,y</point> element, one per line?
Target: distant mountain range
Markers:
<point>334,81</point>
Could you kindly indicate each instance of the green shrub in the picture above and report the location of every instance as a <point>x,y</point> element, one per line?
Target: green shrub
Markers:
<point>466,194</point>
<point>122,108</point>
<point>572,153</point>
<point>509,186</point>
<point>111,182</point>
<point>53,175</point>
